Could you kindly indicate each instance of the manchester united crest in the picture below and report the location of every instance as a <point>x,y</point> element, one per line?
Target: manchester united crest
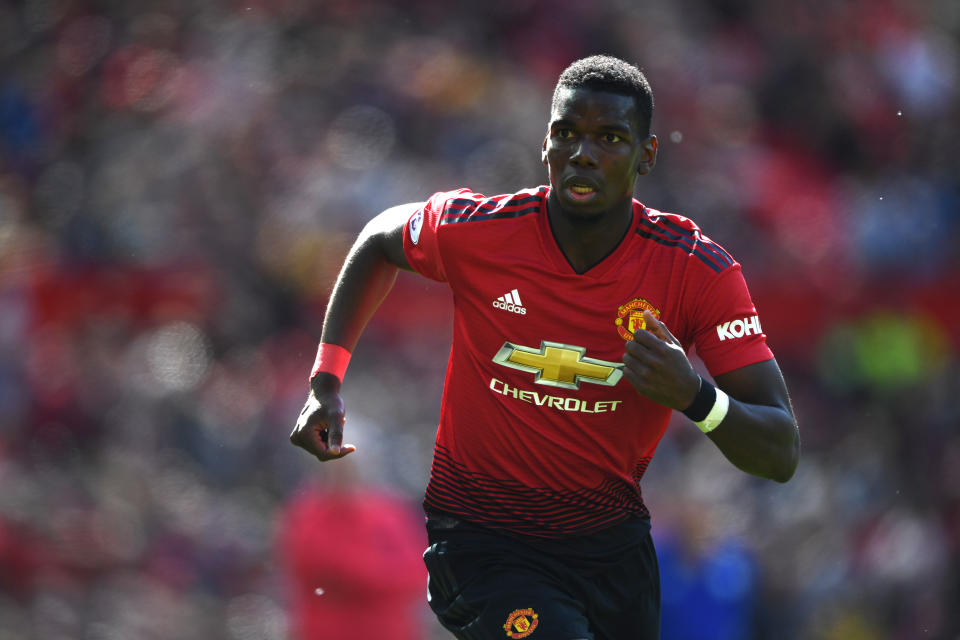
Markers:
<point>630,317</point>
<point>521,623</point>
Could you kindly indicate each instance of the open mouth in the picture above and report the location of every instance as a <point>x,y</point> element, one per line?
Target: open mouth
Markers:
<point>580,190</point>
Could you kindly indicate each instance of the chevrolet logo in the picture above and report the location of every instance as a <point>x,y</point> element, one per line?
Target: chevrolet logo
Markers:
<point>559,365</point>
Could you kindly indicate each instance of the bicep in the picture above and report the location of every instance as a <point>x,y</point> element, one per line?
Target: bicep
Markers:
<point>761,383</point>
<point>387,230</point>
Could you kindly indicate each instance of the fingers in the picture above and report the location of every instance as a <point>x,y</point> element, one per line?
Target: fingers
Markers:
<point>335,436</point>
<point>636,370</point>
<point>656,364</point>
<point>636,380</point>
<point>653,338</point>
<point>319,431</point>
<point>330,453</point>
<point>323,443</point>
<point>657,328</point>
<point>315,439</point>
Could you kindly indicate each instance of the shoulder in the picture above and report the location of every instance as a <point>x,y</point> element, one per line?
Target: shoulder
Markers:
<point>464,205</point>
<point>681,234</point>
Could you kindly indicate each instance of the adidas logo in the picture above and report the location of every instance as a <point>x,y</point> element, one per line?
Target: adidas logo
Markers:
<point>510,302</point>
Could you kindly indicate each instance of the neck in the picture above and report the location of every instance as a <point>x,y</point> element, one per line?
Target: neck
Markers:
<point>586,240</point>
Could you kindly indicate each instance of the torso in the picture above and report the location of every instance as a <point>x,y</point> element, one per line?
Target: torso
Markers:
<point>539,434</point>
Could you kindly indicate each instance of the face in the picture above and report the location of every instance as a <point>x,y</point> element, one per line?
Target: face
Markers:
<point>594,151</point>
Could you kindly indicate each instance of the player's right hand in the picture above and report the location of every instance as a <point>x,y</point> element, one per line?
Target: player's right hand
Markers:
<point>319,429</point>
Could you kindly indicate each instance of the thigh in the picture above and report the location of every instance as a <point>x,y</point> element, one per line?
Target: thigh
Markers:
<point>625,601</point>
<point>482,590</point>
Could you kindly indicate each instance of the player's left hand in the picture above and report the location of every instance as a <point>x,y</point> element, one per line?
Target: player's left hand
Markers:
<point>658,367</point>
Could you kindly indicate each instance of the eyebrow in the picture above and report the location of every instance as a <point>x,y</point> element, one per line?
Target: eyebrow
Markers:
<point>612,128</point>
<point>615,128</point>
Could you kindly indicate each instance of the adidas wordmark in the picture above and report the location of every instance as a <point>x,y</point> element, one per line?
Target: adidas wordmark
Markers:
<point>510,302</point>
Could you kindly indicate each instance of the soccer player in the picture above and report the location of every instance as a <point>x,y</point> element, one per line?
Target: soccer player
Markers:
<point>574,307</point>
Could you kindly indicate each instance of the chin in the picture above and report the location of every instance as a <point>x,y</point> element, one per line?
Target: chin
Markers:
<point>583,210</point>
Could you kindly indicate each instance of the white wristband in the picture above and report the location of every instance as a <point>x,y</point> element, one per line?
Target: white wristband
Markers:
<point>717,413</point>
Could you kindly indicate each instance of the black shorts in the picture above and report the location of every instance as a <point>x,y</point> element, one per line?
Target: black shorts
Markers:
<point>484,585</point>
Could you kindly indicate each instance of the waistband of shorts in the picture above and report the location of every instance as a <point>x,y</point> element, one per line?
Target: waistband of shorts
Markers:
<point>596,545</point>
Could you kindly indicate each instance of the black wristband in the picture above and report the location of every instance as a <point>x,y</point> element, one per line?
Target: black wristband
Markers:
<point>703,402</point>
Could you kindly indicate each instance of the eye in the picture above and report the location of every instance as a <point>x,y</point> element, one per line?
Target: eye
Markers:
<point>611,137</point>
<point>563,133</point>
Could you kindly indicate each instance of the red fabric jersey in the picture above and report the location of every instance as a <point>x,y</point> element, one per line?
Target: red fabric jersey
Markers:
<point>539,435</point>
<point>352,560</point>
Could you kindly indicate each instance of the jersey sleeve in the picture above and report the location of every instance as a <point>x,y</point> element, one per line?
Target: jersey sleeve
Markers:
<point>421,237</point>
<point>424,240</point>
<point>728,334</point>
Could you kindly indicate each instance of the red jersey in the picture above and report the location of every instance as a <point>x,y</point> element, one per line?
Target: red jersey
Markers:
<point>539,434</point>
<point>371,588</point>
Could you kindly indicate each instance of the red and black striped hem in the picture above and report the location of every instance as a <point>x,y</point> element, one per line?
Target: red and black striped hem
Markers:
<point>541,512</point>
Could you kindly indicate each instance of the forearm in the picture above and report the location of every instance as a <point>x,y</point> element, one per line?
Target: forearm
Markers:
<point>367,275</point>
<point>760,440</point>
<point>758,433</point>
<point>364,281</point>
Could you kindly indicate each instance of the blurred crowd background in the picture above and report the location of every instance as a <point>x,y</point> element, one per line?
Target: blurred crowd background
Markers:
<point>179,182</point>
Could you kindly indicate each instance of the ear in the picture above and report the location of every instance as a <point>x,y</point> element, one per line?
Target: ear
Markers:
<point>648,155</point>
<point>543,149</point>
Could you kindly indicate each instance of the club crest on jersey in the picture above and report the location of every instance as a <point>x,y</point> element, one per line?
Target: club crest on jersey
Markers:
<point>630,317</point>
<point>521,623</point>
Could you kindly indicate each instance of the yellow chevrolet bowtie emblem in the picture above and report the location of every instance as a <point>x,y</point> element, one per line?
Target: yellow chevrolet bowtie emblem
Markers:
<point>559,365</point>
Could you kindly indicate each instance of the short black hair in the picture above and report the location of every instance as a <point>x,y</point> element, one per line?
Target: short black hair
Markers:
<point>606,73</point>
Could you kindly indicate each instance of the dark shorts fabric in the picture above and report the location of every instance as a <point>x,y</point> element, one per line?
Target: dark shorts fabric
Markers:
<point>486,585</point>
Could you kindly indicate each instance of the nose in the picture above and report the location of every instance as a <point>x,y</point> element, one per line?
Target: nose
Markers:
<point>584,154</point>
